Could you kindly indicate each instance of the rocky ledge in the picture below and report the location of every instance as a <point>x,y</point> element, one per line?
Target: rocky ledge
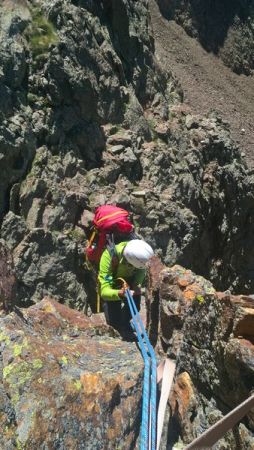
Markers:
<point>69,381</point>
<point>66,381</point>
<point>211,334</point>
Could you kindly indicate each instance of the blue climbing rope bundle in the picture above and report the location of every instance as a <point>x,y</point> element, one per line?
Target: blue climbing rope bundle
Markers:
<point>149,401</point>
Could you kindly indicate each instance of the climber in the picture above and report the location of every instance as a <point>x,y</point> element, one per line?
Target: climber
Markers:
<point>128,262</point>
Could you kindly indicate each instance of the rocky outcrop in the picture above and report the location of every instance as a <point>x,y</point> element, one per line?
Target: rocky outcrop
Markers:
<point>68,68</point>
<point>225,28</point>
<point>17,141</point>
<point>191,180</point>
<point>189,194</point>
<point>211,335</point>
<point>66,381</point>
<point>108,127</point>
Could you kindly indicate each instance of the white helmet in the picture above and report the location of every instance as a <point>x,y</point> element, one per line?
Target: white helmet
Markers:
<point>138,253</point>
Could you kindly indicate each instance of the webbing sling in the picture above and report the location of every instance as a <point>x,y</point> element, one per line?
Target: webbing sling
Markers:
<point>217,431</point>
<point>165,373</point>
<point>148,423</point>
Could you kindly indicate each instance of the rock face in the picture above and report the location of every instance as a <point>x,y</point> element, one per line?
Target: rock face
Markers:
<point>101,124</point>
<point>50,263</point>
<point>87,117</point>
<point>66,381</point>
<point>212,335</point>
<point>68,68</point>
<point>185,195</point>
<point>17,140</point>
<point>225,28</point>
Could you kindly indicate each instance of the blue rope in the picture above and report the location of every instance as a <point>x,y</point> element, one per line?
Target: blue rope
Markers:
<point>150,379</point>
<point>146,381</point>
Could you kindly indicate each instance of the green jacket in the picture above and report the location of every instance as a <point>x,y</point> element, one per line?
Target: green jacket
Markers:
<point>108,280</point>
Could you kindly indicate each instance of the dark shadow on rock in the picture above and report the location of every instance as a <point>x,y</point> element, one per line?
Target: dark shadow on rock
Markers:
<point>173,433</point>
<point>208,20</point>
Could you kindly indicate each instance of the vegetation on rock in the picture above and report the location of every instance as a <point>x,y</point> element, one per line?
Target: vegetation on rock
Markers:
<point>40,33</point>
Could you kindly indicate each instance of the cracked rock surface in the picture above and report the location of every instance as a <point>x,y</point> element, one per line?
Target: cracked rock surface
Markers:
<point>211,336</point>
<point>66,381</point>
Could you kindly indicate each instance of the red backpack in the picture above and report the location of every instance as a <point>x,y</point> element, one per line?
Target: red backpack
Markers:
<point>109,221</point>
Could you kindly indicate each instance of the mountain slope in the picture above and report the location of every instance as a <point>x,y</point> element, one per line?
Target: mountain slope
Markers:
<point>207,83</point>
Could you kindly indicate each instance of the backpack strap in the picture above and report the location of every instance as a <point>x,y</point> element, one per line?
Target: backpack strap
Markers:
<point>111,247</point>
<point>90,242</point>
<point>111,244</point>
<point>88,249</point>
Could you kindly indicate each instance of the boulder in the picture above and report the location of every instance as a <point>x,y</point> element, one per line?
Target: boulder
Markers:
<point>66,381</point>
<point>50,264</point>
<point>210,334</point>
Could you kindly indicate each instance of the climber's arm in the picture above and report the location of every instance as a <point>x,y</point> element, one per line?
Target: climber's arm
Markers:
<point>107,292</point>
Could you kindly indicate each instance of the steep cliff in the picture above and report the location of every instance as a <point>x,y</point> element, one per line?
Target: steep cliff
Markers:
<point>88,118</point>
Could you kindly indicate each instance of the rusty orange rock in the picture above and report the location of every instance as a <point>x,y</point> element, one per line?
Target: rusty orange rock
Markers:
<point>211,335</point>
<point>244,325</point>
<point>182,395</point>
<point>189,294</point>
<point>64,374</point>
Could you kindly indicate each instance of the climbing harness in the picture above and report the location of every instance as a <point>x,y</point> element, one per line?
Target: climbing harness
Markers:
<point>98,297</point>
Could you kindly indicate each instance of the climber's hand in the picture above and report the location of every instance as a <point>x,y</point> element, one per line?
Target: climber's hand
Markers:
<point>121,293</point>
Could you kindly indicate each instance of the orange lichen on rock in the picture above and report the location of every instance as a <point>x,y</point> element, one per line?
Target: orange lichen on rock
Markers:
<point>182,394</point>
<point>189,294</point>
<point>64,372</point>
